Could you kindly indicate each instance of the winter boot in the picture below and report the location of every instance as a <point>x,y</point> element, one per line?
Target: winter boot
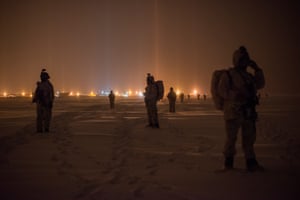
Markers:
<point>156,125</point>
<point>252,165</point>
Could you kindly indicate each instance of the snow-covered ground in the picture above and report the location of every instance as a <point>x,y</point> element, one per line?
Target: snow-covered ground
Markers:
<point>93,152</point>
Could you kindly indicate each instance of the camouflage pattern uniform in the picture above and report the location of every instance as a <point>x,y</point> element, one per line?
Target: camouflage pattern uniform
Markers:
<point>239,88</point>
<point>44,97</point>
<point>151,96</point>
<point>172,99</point>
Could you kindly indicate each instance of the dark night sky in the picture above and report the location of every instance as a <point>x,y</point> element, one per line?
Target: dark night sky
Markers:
<point>103,44</point>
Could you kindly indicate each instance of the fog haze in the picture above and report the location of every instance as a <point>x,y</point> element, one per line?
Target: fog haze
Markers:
<point>112,44</point>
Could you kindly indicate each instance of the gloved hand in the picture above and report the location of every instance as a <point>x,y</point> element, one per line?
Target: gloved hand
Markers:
<point>253,65</point>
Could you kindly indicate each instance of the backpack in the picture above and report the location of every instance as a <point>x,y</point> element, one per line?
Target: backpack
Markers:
<point>160,89</point>
<point>217,98</point>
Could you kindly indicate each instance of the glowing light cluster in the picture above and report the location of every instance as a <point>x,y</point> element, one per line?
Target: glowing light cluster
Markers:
<point>195,92</point>
<point>11,95</point>
<point>92,94</point>
<point>139,93</point>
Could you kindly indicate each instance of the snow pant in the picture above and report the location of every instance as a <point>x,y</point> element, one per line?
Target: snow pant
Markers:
<point>152,112</point>
<point>44,115</point>
<point>171,106</point>
<point>112,104</point>
<point>248,132</point>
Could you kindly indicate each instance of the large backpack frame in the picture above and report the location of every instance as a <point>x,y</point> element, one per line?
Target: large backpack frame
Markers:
<point>216,97</point>
<point>160,89</point>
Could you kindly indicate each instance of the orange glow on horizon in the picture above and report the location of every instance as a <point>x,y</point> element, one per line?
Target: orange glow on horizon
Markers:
<point>195,92</point>
<point>92,94</point>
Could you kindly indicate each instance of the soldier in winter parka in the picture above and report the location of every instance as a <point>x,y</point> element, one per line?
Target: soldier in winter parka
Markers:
<point>239,88</point>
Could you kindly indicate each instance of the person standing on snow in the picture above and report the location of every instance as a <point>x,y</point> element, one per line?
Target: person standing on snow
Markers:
<point>172,99</point>
<point>238,88</point>
<point>151,98</point>
<point>44,98</point>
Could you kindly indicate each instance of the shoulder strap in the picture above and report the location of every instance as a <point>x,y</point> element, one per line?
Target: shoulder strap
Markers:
<point>245,79</point>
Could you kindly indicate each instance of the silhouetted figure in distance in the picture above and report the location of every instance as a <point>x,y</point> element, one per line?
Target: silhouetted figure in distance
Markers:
<point>44,98</point>
<point>189,97</point>
<point>172,100</point>
<point>181,97</point>
<point>111,98</point>
<point>151,98</point>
